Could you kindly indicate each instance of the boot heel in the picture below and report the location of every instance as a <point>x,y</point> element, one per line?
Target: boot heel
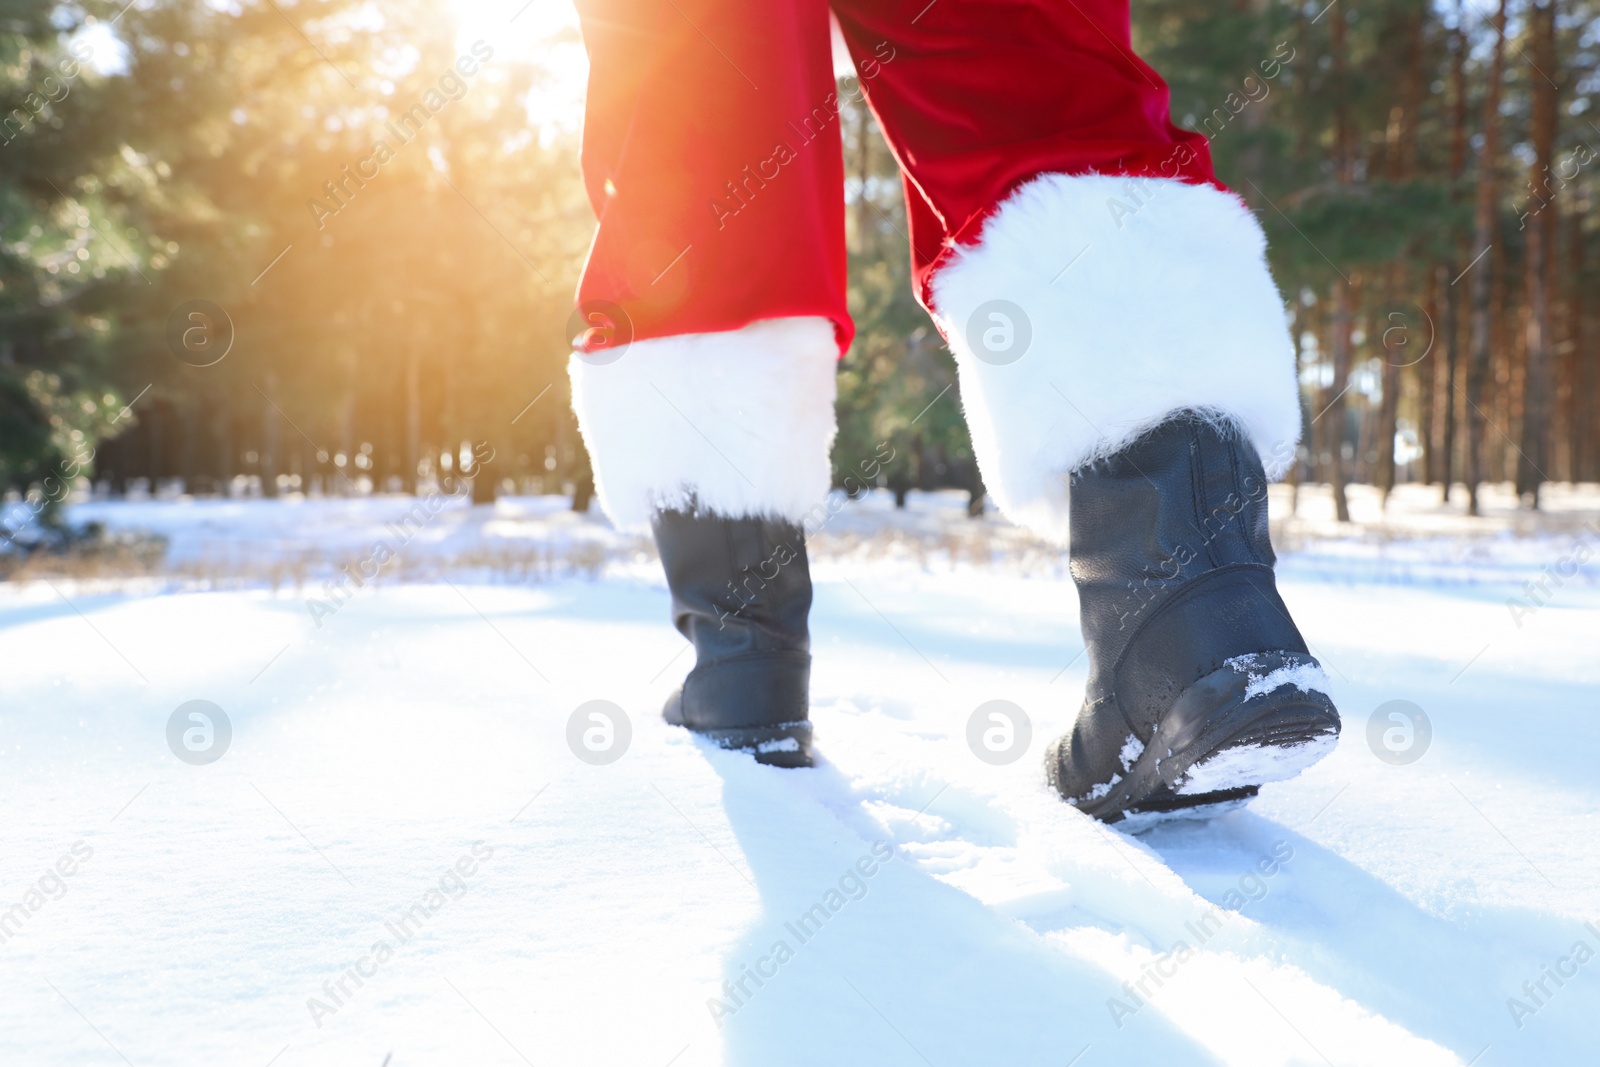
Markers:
<point>784,744</point>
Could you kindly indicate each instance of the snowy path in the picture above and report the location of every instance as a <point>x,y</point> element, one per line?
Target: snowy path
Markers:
<point>607,905</point>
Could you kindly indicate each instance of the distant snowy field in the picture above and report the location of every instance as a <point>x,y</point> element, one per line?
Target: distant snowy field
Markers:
<point>401,855</point>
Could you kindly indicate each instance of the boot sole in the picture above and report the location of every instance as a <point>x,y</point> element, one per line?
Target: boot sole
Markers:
<point>786,744</point>
<point>1161,810</point>
<point>1256,720</point>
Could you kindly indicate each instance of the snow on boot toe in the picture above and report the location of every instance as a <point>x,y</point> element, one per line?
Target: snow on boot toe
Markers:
<point>1219,741</point>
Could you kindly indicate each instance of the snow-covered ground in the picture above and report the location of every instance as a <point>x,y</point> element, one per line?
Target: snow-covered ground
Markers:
<point>401,853</point>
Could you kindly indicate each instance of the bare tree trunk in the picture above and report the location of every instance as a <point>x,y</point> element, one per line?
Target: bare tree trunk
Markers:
<point>1583,377</point>
<point>269,438</point>
<point>1346,293</point>
<point>1484,237</point>
<point>1343,298</point>
<point>583,489</point>
<point>1389,403</point>
<point>864,228</point>
<point>155,442</point>
<point>1320,323</point>
<point>1541,228</point>
<point>1402,152</point>
<point>413,451</point>
<point>1293,475</point>
<point>1427,397</point>
<point>1364,451</point>
<point>1448,338</point>
<point>347,426</point>
<point>1421,372</point>
<point>305,461</point>
<point>1446,372</point>
<point>189,450</point>
<point>222,415</point>
<point>449,438</point>
<point>1506,337</point>
<point>1343,153</point>
<point>1564,445</point>
<point>582,473</point>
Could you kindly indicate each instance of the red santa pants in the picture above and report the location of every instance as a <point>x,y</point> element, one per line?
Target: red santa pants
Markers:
<point>1072,244</point>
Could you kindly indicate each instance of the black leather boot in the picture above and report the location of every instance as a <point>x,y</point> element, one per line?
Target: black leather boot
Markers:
<point>1200,687</point>
<point>741,591</point>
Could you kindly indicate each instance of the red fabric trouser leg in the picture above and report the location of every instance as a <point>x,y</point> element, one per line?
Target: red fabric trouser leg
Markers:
<point>718,194</point>
<point>712,134</point>
<point>978,98</point>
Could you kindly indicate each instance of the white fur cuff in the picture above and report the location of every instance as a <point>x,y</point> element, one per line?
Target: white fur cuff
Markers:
<point>1091,308</point>
<point>736,424</point>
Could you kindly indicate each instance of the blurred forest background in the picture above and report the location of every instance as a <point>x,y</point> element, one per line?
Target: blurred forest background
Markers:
<point>1427,175</point>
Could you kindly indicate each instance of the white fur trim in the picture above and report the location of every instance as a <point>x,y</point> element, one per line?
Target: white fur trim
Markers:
<point>737,423</point>
<point>1169,305</point>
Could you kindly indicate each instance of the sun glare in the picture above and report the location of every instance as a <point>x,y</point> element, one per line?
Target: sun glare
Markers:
<point>541,33</point>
